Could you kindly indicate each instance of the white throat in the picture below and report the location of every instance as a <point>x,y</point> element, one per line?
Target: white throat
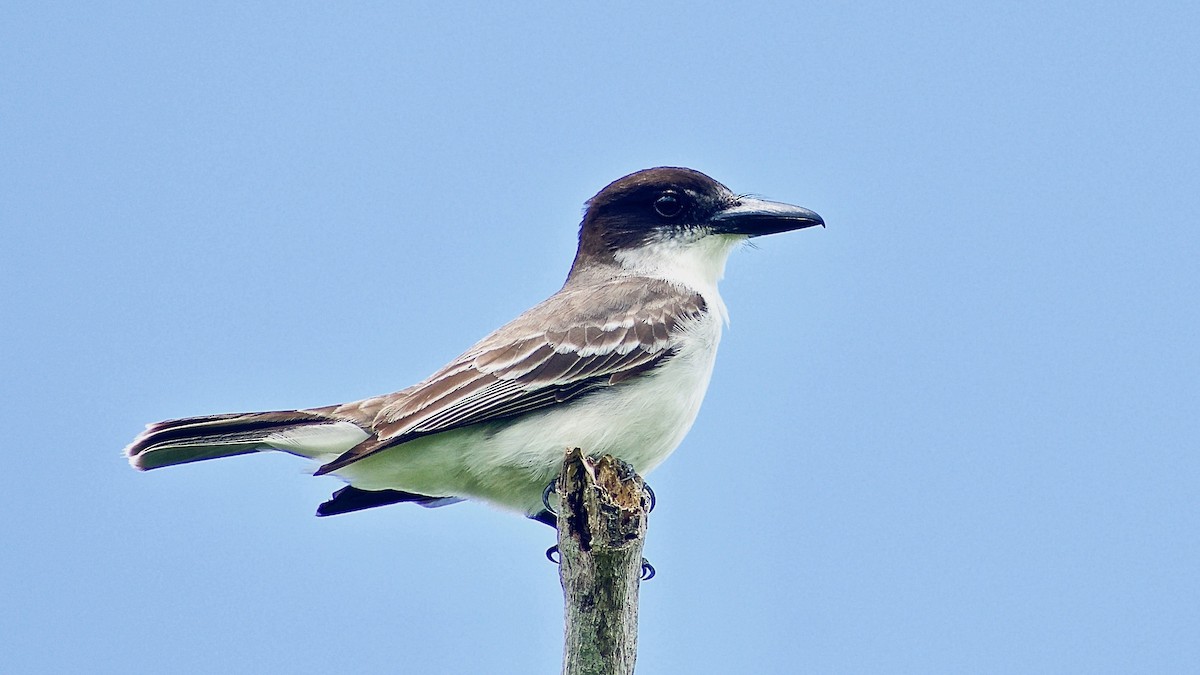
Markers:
<point>697,265</point>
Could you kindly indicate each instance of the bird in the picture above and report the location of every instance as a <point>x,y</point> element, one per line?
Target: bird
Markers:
<point>615,362</point>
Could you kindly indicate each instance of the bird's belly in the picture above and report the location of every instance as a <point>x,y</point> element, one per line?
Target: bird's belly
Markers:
<point>640,422</point>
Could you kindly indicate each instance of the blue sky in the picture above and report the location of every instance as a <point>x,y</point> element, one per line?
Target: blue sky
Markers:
<point>977,452</point>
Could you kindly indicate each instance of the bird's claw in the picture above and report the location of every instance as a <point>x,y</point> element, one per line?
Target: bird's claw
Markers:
<point>650,498</point>
<point>647,570</point>
<point>552,554</point>
<point>550,488</point>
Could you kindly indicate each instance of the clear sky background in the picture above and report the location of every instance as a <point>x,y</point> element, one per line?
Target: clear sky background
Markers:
<point>955,431</point>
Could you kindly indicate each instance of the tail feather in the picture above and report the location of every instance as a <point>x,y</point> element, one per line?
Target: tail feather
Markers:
<point>193,439</point>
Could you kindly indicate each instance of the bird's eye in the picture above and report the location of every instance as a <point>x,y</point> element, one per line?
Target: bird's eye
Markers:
<point>668,205</point>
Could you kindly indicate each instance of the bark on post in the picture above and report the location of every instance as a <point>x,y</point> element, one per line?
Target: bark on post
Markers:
<point>601,529</point>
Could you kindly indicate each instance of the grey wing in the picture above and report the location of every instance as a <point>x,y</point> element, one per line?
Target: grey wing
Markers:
<point>575,342</point>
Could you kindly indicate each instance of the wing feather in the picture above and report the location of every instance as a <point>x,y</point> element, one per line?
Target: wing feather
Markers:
<point>577,341</point>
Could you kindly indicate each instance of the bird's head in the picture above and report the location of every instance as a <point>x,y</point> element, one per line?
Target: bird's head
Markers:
<point>655,220</point>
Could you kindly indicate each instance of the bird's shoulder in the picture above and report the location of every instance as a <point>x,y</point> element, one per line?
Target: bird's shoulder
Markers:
<point>578,314</point>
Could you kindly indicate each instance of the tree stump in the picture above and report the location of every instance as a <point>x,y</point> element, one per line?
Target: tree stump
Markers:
<point>602,513</point>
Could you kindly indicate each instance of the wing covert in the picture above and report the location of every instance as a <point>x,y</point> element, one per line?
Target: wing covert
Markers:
<point>574,342</point>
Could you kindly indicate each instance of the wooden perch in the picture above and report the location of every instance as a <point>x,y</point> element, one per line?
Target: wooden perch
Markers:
<point>602,511</point>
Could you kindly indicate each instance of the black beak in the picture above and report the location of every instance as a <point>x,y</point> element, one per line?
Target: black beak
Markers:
<point>756,217</point>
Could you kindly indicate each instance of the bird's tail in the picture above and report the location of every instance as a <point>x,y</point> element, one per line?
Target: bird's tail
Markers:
<point>192,439</point>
